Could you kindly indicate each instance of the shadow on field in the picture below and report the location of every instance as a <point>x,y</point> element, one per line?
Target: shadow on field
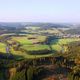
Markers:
<point>52,39</point>
<point>9,56</point>
<point>55,41</point>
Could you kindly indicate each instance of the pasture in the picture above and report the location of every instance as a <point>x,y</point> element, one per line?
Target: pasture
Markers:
<point>21,40</point>
<point>51,31</point>
<point>27,55</point>
<point>35,47</point>
<point>2,47</point>
<point>27,44</point>
<point>28,40</point>
<point>57,44</point>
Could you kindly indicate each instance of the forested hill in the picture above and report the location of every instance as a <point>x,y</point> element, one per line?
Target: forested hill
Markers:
<point>74,31</point>
<point>36,24</point>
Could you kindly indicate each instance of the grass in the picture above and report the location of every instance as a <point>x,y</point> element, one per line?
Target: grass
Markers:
<point>25,55</point>
<point>27,44</point>
<point>35,47</point>
<point>58,46</point>
<point>2,47</point>
<point>22,40</point>
<point>26,41</point>
<point>38,38</point>
<point>68,40</point>
<point>53,31</point>
<point>55,46</point>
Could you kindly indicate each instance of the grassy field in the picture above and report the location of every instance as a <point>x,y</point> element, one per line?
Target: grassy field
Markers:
<point>27,55</point>
<point>27,44</point>
<point>37,38</point>
<point>35,47</point>
<point>26,41</point>
<point>2,47</point>
<point>53,31</point>
<point>22,40</point>
<point>57,45</point>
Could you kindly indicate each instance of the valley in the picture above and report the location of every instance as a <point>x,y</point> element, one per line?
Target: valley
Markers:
<point>34,49</point>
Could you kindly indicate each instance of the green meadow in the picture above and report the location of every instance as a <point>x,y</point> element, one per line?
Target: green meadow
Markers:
<point>57,44</point>
<point>35,47</point>
<point>27,44</point>
<point>2,47</point>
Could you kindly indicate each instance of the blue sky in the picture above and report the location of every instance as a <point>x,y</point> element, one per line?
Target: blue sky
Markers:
<point>39,10</point>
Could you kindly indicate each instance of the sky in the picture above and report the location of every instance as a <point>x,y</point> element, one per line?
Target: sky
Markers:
<point>40,11</point>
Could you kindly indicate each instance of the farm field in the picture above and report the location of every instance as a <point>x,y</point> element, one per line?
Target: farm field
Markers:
<point>53,31</point>
<point>21,40</point>
<point>2,47</point>
<point>35,47</point>
<point>28,40</point>
<point>30,43</point>
<point>26,55</point>
<point>57,44</point>
<point>38,51</point>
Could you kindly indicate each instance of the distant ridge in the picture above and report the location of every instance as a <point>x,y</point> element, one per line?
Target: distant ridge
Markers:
<point>38,24</point>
